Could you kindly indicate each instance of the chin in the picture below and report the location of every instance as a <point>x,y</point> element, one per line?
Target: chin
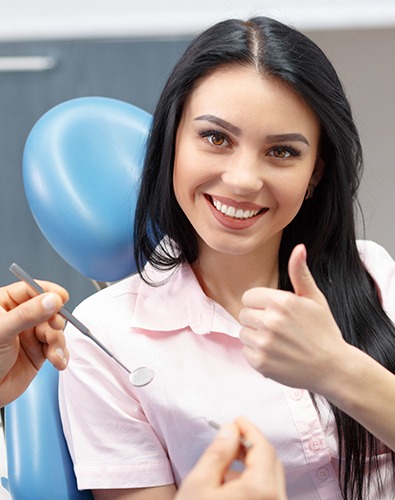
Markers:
<point>228,248</point>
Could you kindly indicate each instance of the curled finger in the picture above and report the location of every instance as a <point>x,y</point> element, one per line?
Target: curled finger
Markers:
<point>253,318</point>
<point>54,345</point>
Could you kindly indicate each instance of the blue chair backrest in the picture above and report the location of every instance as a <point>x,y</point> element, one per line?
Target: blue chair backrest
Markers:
<point>40,466</point>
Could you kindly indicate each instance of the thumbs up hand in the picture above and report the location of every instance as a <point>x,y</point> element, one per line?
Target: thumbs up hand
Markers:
<point>292,337</point>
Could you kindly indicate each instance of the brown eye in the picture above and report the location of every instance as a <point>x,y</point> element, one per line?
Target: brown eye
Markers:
<point>284,152</point>
<point>280,153</point>
<point>217,139</point>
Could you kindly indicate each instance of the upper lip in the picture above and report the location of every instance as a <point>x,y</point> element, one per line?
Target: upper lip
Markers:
<point>244,205</point>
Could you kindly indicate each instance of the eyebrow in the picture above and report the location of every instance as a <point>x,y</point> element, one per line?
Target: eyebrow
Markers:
<point>291,137</point>
<point>222,123</point>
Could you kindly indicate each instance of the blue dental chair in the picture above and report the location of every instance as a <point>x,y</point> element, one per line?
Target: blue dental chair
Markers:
<point>81,166</point>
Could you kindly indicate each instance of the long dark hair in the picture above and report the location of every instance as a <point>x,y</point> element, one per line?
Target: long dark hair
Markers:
<point>325,223</point>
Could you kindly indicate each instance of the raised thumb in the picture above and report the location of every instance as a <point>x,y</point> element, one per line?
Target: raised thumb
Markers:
<point>300,275</point>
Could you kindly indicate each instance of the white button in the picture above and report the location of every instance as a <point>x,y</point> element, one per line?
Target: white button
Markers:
<point>322,473</point>
<point>297,394</point>
<point>315,444</point>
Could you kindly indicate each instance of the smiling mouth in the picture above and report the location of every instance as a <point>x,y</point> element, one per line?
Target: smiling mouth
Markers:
<point>232,212</point>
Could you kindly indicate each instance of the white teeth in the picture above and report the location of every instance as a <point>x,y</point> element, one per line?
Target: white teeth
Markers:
<point>233,212</point>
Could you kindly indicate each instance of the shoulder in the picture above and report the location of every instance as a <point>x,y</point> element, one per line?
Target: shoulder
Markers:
<point>371,247</point>
<point>133,296</point>
<point>374,256</point>
<point>381,266</point>
<point>111,297</point>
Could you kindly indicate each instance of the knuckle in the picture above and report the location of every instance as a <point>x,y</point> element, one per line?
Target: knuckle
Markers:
<point>274,323</point>
<point>261,341</point>
<point>243,315</point>
<point>286,301</point>
<point>217,451</point>
<point>57,322</point>
<point>42,332</point>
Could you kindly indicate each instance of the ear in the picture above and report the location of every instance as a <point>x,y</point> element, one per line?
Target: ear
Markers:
<point>318,172</point>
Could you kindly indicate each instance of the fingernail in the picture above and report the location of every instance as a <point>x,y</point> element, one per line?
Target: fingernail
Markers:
<point>49,302</point>
<point>303,253</point>
<point>61,355</point>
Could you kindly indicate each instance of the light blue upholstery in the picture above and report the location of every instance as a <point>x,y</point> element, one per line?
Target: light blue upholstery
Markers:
<point>40,466</point>
<point>81,166</point>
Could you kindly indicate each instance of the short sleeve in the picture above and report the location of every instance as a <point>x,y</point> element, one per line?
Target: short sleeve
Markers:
<point>111,443</point>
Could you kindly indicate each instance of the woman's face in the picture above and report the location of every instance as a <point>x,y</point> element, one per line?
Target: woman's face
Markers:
<point>246,150</point>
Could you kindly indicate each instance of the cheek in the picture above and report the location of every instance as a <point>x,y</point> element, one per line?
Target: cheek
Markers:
<point>177,180</point>
<point>183,180</point>
<point>290,185</point>
<point>180,168</point>
<point>191,175</point>
<point>289,193</point>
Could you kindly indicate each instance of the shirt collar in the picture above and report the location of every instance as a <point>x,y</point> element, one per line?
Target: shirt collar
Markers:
<point>179,303</point>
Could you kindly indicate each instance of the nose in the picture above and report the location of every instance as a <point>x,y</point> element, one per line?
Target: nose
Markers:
<point>244,173</point>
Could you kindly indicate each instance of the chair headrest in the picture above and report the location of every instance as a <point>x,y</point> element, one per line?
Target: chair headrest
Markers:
<point>81,168</point>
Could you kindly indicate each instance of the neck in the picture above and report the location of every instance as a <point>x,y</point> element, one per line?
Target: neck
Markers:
<point>224,278</point>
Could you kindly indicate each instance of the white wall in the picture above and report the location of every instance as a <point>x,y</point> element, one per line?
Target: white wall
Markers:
<point>26,19</point>
<point>365,61</point>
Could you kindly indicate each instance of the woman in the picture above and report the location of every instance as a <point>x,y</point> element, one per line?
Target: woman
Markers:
<point>252,151</point>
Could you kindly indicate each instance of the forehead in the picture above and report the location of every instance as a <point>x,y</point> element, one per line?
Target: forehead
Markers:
<point>237,92</point>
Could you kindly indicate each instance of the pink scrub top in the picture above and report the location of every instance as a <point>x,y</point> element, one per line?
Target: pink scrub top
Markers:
<point>121,436</point>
